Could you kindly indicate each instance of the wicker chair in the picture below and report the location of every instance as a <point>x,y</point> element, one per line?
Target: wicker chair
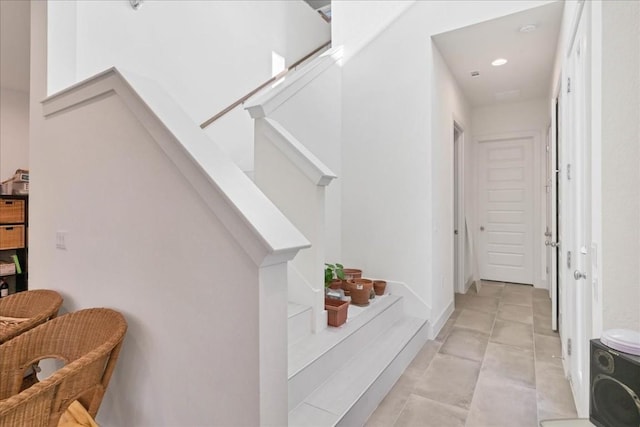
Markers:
<point>88,341</point>
<point>26,310</point>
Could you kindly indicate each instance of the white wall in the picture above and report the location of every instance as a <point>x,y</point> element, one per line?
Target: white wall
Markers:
<point>531,116</point>
<point>355,23</point>
<point>448,104</point>
<point>207,54</point>
<point>131,221</point>
<point>14,132</point>
<point>620,247</point>
<point>387,136</point>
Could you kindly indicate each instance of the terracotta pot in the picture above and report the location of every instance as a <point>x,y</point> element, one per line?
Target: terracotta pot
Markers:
<point>352,273</point>
<point>360,291</point>
<point>336,311</point>
<point>336,284</point>
<point>379,286</point>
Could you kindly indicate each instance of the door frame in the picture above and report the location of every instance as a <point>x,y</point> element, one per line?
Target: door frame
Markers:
<point>459,219</point>
<point>538,178</point>
<point>554,278</point>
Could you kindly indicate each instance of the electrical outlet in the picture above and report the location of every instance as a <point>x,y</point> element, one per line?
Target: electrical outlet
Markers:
<point>61,240</point>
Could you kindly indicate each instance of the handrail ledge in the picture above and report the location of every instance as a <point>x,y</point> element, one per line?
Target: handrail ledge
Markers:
<point>272,80</point>
<point>297,153</point>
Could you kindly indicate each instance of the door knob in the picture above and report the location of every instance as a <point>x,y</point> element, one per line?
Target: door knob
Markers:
<point>579,275</point>
<point>552,244</point>
<point>547,233</point>
<point>482,228</point>
<point>547,243</point>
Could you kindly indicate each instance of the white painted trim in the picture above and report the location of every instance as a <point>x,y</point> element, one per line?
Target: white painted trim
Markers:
<point>461,223</point>
<point>317,172</point>
<point>438,324</point>
<point>414,306</point>
<point>596,168</point>
<point>301,292</point>
<point>258,226</point>
<point>468,284</point>
<point>538,237</point>
<point>263,104</point>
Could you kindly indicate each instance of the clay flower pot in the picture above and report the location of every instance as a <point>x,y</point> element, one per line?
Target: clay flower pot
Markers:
<point>379,286</point>
<point>352,273</point>
<point>337,311</point>
<point>360,291</point>
<point>335,284</point>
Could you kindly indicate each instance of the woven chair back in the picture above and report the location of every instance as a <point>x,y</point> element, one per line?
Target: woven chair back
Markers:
<point>30,308</point>
<point>87,341</point>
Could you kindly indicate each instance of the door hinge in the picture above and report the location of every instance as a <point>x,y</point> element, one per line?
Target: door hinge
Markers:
<point>568,84</point>
<point>568,259</point>
<point>547,269</point>
<point>569,171</point>
<point>569,346</point>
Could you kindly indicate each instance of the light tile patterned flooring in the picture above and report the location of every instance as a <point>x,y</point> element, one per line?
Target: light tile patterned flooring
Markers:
<point>494,364</point>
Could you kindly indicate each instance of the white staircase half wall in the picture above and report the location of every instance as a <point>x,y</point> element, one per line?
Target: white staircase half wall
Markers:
<point>295,180</point>
<point>292,169</point>
<point>163,226</point>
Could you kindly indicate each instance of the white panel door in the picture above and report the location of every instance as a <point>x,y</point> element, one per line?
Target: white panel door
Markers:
<point>505,194</point>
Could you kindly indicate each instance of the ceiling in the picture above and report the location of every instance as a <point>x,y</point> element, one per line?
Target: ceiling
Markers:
<point>317,4</point>
<point>14,44</point>
<point>527,75</point>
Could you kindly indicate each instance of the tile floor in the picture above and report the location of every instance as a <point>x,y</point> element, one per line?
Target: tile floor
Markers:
<point>494,364</point>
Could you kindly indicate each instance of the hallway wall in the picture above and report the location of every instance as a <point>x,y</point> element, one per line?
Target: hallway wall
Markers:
<point>389,207</point>
<point>448,104</point>
<point>621,164</point>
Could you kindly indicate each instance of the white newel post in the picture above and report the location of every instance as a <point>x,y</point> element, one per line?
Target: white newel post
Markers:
<point>273,344</point>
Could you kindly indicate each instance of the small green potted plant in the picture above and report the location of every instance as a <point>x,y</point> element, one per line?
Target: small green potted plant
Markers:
<point>333,275</point>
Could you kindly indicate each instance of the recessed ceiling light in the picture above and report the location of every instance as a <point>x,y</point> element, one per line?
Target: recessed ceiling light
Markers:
<point>498,62</point>
<point>528,28</point>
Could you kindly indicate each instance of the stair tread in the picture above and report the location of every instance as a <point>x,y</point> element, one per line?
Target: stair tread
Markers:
<point>306,415</point>
<point>305,351</point>
<point>346,385</point>
<point>294,309</point>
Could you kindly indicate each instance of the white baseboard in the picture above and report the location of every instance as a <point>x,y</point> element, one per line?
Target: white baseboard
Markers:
<point>467,285</point>
<point>437,324</point>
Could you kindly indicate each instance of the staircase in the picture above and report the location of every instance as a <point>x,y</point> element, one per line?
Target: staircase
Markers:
<point>337,377</point>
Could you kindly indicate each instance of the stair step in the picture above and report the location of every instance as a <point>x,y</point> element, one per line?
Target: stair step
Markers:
<point>299,322</point>
<point>313,358</point>
<point>354,390</point>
